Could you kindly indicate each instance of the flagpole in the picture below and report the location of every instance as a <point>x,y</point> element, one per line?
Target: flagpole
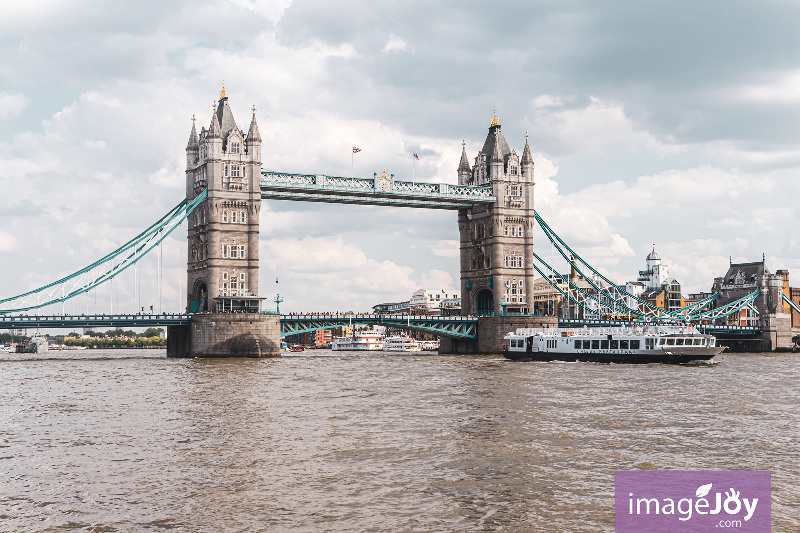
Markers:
<point>352,163</point>
<point>413,174</point>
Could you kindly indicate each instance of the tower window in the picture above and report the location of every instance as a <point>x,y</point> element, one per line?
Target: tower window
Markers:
<point>233,217</point>
<point>225,216</point>
<point>235,148</point>
<point>226,170</point>
<point>235,171</point>
<point>244,217</point>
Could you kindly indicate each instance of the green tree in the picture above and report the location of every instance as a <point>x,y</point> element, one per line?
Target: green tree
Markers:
<point>152,332</point>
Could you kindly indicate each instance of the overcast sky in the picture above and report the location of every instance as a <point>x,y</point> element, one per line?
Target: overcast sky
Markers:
<point>675,123</point>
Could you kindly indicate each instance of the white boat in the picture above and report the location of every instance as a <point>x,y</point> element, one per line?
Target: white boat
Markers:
<point>401,344</point>
<point>636,344</point>
<point>366,340</point>
<point>37,344</point>
<point>429,346</point>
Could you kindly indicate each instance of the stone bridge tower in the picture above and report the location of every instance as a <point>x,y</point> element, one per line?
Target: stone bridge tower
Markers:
<point>497,240</point>
<point>223,231</point>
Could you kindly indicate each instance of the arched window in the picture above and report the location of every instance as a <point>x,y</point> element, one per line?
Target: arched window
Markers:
<point>234,217</point>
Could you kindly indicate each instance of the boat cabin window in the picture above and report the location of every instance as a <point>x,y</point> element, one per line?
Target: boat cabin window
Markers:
<point>661,342</point>
<point>635,344</point>
<point>698,342</point>
<point>678,342</point>
<point>712,342</point>
<point>595,344</point>
<point>615,344</point>
<point>623,344</point>
<point>670,342</point>
<point>577,345</point>
<point>604,344</point>
<point>649,343</point>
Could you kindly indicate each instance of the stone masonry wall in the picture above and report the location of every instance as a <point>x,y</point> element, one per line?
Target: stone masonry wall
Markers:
<point>227,335</point>
<point>491,330</point>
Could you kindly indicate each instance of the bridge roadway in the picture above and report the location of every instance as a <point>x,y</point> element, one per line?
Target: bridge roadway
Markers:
<point>458,327</point>
<point>455,326</point>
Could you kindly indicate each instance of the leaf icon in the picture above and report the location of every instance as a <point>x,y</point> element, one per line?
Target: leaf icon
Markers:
<point>703,490</point>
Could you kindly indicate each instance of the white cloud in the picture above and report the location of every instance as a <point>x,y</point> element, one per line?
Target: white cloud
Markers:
<point>7,242</point>
<point>448,248</point>
<point>395,44</point>
<point>546,100</point>
<point>12,104</point>
<point>94,145</point>
<point>781,88</point>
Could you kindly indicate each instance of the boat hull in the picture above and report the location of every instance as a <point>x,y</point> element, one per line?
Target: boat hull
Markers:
<point>650,356</point>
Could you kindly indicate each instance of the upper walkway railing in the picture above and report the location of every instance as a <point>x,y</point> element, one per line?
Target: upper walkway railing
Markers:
<point>380,190</point>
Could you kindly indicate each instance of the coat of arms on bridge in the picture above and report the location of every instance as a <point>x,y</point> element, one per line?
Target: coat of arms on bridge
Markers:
<point>383,182</point>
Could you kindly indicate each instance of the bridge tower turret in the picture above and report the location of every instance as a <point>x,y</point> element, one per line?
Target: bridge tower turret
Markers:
<point>496,241</point>
<point>222,236</point>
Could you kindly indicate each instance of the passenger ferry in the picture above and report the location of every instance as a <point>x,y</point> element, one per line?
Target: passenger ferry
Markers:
<point>429,346</point>
<point>637,344</point>
<point>401,344</point>
<point>366,340</point>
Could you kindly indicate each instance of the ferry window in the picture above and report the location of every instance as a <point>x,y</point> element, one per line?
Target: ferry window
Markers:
<point>712,342</point>
<point>648,344</point>
<point>635,344</point>
<point>678,342</point>
<point>614,344</point>
<point>670,342</point>
<point>623,344</point>
<point>661,342</point>
<point>604,344</point>
<point>595,345</point>
<point>698,342</point>
<point>577,345</point>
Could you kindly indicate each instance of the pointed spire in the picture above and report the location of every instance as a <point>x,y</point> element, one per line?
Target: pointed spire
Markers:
<point>253,135</point>
<point>213,131</point>
<point>193,138</point>
<point>497,153</point>
<point>464,164</point>
<point>495,121</point>
<point>526,153</point>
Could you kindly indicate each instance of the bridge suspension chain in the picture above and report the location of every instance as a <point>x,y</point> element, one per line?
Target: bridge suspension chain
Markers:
<point>105,268</point>
<point>614,298</point>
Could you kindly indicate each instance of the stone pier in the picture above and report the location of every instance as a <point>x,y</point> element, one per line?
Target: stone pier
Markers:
<point>491,330</point>
<point>226,335</point>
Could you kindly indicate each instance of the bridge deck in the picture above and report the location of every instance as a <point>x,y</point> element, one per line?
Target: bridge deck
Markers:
<point>92,321</point>
<point>373,191</point>
<point>445,326</point>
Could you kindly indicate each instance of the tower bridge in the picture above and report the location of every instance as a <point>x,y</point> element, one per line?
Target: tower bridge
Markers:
<point>494,200</point>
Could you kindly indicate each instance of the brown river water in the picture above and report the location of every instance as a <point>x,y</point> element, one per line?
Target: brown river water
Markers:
<point>128,440</point>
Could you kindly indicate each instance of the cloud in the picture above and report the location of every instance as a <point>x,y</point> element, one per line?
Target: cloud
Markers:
<point>395,44</point>
<point>648,125</point>
<point>7,242</point>
<point>12,104</point>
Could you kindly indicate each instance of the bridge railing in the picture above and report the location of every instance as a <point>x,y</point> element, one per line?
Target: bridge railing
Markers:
<point>375,316</point>
<point>378,191</point>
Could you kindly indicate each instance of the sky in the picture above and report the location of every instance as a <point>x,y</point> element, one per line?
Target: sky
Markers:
<point>674,124</point>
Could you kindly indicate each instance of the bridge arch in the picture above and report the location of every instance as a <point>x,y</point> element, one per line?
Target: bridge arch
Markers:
<point>484,302</point>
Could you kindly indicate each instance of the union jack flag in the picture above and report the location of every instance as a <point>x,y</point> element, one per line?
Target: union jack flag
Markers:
<point>416,156</point>
<point>356,150</point>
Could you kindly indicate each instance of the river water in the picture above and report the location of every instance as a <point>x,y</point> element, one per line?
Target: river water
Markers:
<point>128,440</point>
